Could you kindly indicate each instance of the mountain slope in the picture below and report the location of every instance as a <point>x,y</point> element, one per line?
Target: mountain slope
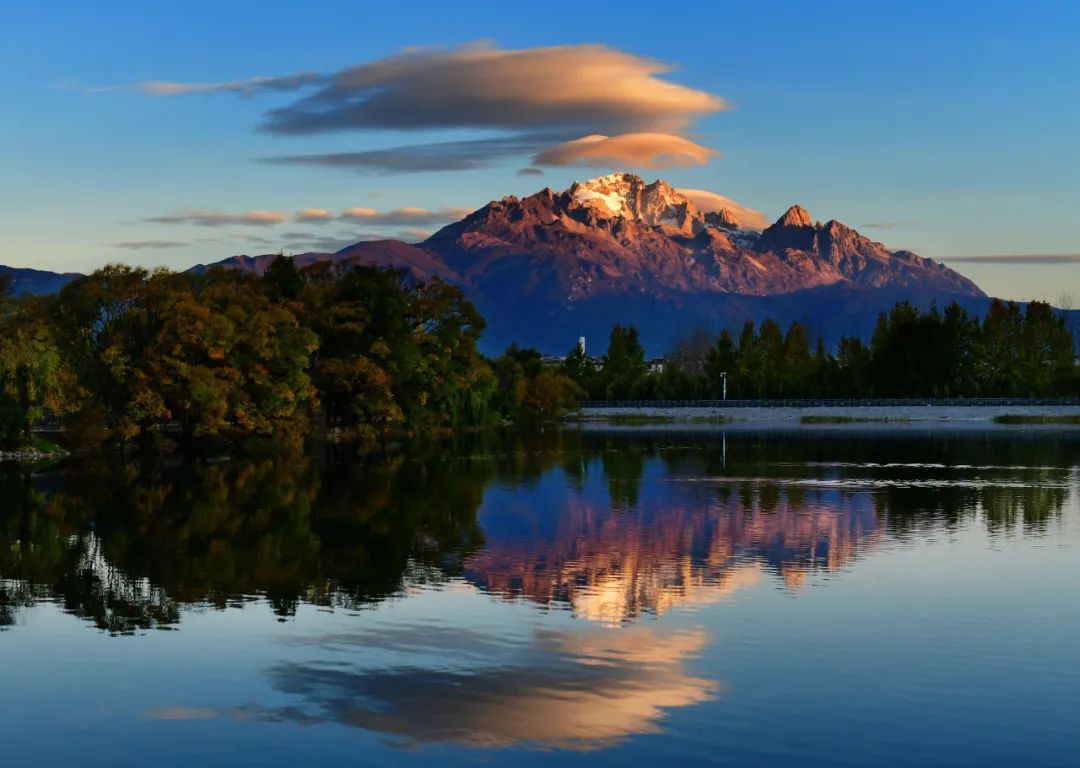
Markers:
<point>617,235</point>
<point>552,266</point>
<point>35,281</point>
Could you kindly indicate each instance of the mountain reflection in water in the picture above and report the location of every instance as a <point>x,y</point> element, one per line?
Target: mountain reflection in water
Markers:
<point>498,590</point>
<point>608,525</point>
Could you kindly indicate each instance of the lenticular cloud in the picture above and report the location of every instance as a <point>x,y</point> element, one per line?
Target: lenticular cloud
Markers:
<point>586,105</point>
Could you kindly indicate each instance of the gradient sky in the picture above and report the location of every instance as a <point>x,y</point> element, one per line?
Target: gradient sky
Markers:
<point>952,129</point>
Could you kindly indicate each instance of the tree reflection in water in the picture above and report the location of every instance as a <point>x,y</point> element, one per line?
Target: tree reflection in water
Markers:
<point>672,518</point>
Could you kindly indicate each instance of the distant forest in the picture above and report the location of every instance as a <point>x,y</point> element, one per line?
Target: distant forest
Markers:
<point>137,359</point>
<point>1011,352</point>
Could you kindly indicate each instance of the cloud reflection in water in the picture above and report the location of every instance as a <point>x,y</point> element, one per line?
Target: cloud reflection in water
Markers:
<point>576,690</point>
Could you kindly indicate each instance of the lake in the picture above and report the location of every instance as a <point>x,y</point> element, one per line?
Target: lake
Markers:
<point>593,596</point>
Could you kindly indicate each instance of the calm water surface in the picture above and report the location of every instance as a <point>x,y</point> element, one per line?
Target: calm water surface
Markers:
<point>813,598</point>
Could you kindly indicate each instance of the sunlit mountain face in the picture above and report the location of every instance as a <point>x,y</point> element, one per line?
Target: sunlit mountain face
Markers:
<point>549,267</point>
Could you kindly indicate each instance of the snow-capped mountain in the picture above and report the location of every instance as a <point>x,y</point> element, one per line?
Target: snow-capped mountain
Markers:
<point>617,235</point>
<point>657,204</point>
<point>552,266</point>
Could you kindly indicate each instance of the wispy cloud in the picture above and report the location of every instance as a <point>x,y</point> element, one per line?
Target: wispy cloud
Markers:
<point>530,171</point>
<point>182,713</point>
<point>412,218</point>
<point>404,216</point>
<point>417,158</point>
<point>307,241</point>
<point>209,218</point>
<point>556,88</point>
<point>413,235</point>
<point>247,87</point>
<point>711,202</point>
<point>142,245</point>
<point>1032,259</point>
<point>554,103</point>
<point>887,224</point>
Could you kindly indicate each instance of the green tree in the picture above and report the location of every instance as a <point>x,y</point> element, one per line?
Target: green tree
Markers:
<point>797,375</point>
<point>577,367</point>
<point>34,379</point>
<point>749,364</point>
<point>719,363</point>
<point>999,371</point>
<point>624,363</point>
<point>853,369</point>
<point>283,278</point>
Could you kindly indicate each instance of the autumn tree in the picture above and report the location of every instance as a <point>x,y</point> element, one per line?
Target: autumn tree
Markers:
<point>35,380</point>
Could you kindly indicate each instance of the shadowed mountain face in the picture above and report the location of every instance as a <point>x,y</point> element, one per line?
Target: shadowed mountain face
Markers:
<point>34,281</point>
<point>553,266</point>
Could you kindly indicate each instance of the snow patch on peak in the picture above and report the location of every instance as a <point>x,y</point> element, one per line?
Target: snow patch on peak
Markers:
<point>627,195</point>
<point>613,179</point>
<point>614,203</point>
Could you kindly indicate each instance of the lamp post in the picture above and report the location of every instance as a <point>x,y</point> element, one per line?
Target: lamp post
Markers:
<point>723,380</point>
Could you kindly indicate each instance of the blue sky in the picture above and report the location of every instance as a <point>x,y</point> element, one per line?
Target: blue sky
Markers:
<point>952,129</point>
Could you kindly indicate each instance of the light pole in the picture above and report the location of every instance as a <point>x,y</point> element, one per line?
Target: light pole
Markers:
<point>723,380</point>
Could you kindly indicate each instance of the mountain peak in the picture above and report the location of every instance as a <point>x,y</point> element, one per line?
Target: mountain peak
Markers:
<point>794,230</point>
<point>614,179</point>
<point>795,216</point>
<point>627,195</point>
<point>723,218</point>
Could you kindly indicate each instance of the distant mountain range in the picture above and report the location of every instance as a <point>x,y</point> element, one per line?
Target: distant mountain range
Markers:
<point>553,266</point>
<point>36,281</point>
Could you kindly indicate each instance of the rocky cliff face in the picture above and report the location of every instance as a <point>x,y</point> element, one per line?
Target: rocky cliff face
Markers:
<point>617,234</point>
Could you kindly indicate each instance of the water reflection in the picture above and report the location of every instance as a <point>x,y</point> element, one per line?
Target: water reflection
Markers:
<point>611,526</point>
<point>579,690</point>
<point>556,591</point>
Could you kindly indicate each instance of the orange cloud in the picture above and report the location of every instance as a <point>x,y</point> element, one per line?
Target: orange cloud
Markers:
<point>535,98</point>
<point>550,88</point>
<point>314,214</point>
<point>710,201</point>
<point>641,150</point>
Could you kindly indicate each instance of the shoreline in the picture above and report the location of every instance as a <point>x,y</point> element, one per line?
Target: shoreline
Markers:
<point>30,455</point>
<point>1004,417</point>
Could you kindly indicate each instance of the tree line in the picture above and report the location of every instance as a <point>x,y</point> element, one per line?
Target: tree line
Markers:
<point>343,534</point>
<point>1011,352</point>
<point>138,358</point>
<point>149,359</point>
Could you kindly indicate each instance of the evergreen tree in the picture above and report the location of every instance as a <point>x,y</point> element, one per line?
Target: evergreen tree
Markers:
<point>283,278</point>
<point>624,363</point>
<point>578,368</point>
<point>719,364</point>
